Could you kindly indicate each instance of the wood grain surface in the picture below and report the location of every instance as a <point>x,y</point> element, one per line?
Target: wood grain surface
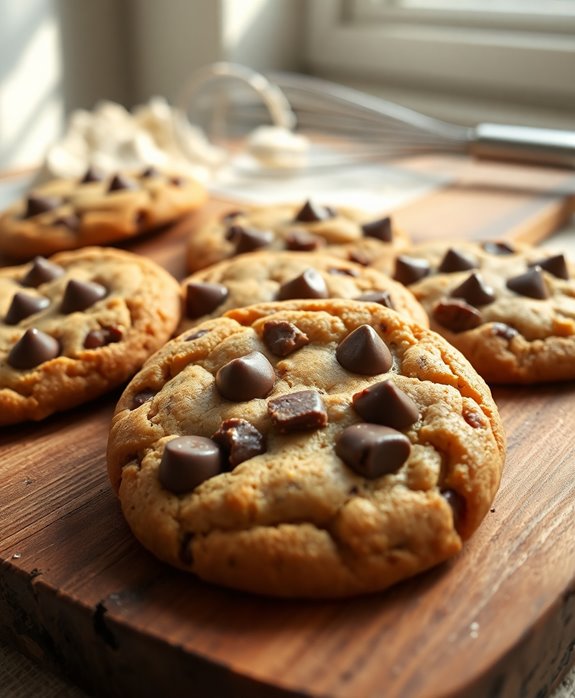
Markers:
<point>81,596</point>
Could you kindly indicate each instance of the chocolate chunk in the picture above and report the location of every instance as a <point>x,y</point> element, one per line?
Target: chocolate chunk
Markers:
<point>196,335</point>
<point>177,181</point>
<point>142,397</point>
<point>33,348</point>
<point>302,241</point>
<point>408,270</point>
<point>380,229</point>
<point>457,316</point>
<point>309,284</point>
<point>372,450</point>
<point>474,419</point>
<point>381,297</point>
<point>556,265</point>
<point>248,239</point>
<point>500,329</point>
<point>92,175</point>
<point>187,461</point>
<point>282,338</point>
<point>455,261</point>
<point>457,504</point>
<point>202,299</point>
<point>239,441</point>
<point>40,204</point>
<point>80,295</point>
<point>474,290</point>
<point>102,337</point>
<point>359,257</point>
<point>41,272</point>
<point>363,351</point>
<point>250,376</point>
<point>313,213</point>
<point>384,403</point>
<point>231,215</point>
<point>531,284</point>
<point>300,411</point>
<point>71,221</point>
<point>24,305</point>
<point>343,272</point>
<point>150,172</point>
<point>498,248</point>
<point>120,183</point>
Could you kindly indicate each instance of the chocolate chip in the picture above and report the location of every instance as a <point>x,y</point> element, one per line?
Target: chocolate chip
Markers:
<point>556,265</point>
<point>248,239</point>
<point>457,504</point>
<point>120,183</point>
<point>102,337</point>
<point>23,305</point>
<point>302,241</point>
<point>453,260</point>
<point>41,272</point>
<point>282,338</point>
<point>500,329</point>
<point>498,248</point>
<point>35,205</point>
<point>196,335</point>
<point>71,221</point>
<point>384,403</point>
<point>142,397</point>
<point>531,284</point>
<point>202,299</point>
<point>177,181</point>
<point>313,213</point>
<point>187,461</point>
<point>250,376</point>
<point>343,272</point>
<point>80,295</point>
<point>380,229</point>
<point>230,215</point>
<point>150,172</point>
<point>372,450</point>
<point>359,257</point>
<point>381,297</point>
<point>457,316</point>
<point>300,411</point>
<point>33,348</point>
<point>473,419</point>
<point>474,290</point>
<point>92,175</point>
<point>239,441</point>
<point>363,351</point>
<point>309,284</point>
<point>408,270</point>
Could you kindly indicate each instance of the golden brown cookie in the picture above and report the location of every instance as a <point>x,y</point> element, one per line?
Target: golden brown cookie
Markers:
<point>77,325</point>
<point>259,277</point>
<point>510,309</point>
<point>306,449</point>
<point>340,232</point>
<point>67,214</point>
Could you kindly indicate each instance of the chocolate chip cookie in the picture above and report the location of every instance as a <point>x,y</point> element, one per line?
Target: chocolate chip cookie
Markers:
<point>319,448</point>
<point>510,309</point>
<point>259,277</point>
<point>340,232</point>
<point>76,325</point>
<point>67,214</point>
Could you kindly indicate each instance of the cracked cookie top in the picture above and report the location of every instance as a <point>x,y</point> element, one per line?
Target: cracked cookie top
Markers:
<point>316,448</point>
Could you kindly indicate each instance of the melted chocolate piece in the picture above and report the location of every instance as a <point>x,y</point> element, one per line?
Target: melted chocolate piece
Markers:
<point>80,295</point>
<point>33,348</point>
<point>556,265</point>
<point>283,338</point>
<point>91,175</point>
<point>41,272</point>
<point>530,284</point>
<point>239,441</point>
<point>248,377</point>
<point>379,229</point>
<point>453,260</point>
<point>71,221</point>
<point>384,403</point>
<point>24,305</point>
<point>372,450</point>
<point>313,213</point>
<point>142,397</point>
<point>248,239</point>
<point>121,183</point>
<point>381,297</point>
<point>456,316</point>
<point>309,284</point>
<point>302,241</point>
<point>474,290</point>
<point>187,461</point>
<point>457,504</point>
<point>500,329</point>
<point>203,298</point>
<point>363,351</point>
<point>408,270</point>
<point>102,337</point>
<point>498,248</point>
<point>300,411</point>
<point>35,205</point>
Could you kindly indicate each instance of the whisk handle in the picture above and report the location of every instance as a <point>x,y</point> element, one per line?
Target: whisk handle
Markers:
<point>543,146</point>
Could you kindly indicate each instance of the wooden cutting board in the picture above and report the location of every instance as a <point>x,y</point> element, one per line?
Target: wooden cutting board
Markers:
<point>78,594</point>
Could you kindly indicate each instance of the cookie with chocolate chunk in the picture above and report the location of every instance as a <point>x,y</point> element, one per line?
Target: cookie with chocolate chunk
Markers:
<point>67,214</point>
<point>260,277</point>
<point>76,325</point>
<point>509,308</point>
<point>340,232</point>
<point>318,448</point>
